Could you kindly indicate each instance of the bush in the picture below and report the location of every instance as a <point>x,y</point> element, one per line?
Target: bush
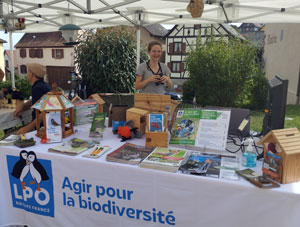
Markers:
<point>106,60</point>
<point>21,84</point>
<point>225,73</point>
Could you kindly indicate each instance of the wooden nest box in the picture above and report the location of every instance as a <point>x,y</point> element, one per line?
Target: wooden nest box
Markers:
<point>54,101</point>
<point>287,147</point>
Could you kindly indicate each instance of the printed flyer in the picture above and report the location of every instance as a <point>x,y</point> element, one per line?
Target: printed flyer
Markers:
<point>53,128</point>
<point>201,128</point>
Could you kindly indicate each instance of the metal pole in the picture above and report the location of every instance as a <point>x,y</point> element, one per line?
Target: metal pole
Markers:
<point>12,61</point>
<point>138,40</point>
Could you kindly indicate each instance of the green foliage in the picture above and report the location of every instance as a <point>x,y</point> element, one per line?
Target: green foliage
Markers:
<point>188,91</point>
<point>106,60</point>
<point>21,84</point>
<point>292,118</point>
<point>225,73</point>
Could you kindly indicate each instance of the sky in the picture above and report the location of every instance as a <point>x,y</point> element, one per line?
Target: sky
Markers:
<point>16,37</point>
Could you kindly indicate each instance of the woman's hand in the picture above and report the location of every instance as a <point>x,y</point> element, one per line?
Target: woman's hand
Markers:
<point>154,78</point>
<point>164,79</point>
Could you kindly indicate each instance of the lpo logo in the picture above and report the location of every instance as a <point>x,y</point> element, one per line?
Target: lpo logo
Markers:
<point>31,183</point>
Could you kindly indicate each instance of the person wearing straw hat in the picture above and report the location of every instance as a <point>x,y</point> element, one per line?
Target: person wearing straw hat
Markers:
<point>35,76</point>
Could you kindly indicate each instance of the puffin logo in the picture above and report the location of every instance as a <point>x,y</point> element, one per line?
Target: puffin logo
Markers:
<point>31,183</point>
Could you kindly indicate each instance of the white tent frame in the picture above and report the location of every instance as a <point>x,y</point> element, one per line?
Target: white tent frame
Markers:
<point>42,15</point>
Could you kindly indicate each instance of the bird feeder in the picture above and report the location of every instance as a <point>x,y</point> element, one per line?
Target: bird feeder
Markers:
<point>195,7</point>
<point>56,104</point>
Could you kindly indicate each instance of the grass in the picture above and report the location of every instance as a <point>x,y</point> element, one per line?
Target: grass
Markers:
<point>292,118</point>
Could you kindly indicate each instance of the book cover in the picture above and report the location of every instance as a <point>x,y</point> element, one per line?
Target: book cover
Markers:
<point>272,166</point>
<point>166,159</point>
<point>73,147</point>
<point>97,126</point>
<point>257,179</point>
<point>129,153</point>
<point>211,165</point>
<point>67,149</point>
<point>156,122</point>
<point>184,130</point>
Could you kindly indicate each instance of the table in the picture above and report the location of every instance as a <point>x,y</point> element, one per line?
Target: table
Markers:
<point>8,120</point>
<point>88,192</point>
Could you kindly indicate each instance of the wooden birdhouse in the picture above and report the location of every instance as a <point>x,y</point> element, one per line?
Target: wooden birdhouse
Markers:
<point>282,155</point>
<point>57,113</point>
<point>99,100</point>
<point>138,116</point>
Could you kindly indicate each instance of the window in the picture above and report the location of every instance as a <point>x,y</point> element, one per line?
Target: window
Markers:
<point>177,67</point>
<point>177,48</point>
<point>23,53</point>
<point>23,69</point>
<point>6,64</point>
<point>36,53</point>
<point>57,53</point>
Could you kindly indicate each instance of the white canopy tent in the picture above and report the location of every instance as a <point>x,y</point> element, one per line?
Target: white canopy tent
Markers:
<point>45,15</point>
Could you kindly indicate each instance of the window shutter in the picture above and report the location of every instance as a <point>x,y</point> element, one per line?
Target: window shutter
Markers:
<point>62,53</point>
<point>36,53</point>
<point>183,48</point>
<point>181,67</point>
<point>23,53</point>
<point>170,66</point>
<point>53,53</point>
<point>41,53</point>
<point>171,48</point>
<point>31,53</point>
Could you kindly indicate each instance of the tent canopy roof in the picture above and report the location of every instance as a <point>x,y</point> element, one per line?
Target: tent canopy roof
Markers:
<point>48,15</point>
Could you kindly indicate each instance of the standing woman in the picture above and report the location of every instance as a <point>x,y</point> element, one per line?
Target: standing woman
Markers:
<point>152,76</point>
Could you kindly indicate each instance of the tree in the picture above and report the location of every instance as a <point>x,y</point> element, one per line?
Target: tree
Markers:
<point>106,60</point>
<point>225,73</point>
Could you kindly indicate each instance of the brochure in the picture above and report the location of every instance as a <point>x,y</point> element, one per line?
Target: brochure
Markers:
<point>201,128</point>
<point>53,128</point>
<point>156,122</point>
<point>97,126</point>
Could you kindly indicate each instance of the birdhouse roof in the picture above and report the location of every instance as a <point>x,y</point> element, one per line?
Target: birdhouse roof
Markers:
<point>53,102</point>
<point>287,139</point>
<point>97,98</point>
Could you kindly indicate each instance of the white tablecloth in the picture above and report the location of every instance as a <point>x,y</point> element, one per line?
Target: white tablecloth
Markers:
<point>8,120</point>
<point>93,192</point>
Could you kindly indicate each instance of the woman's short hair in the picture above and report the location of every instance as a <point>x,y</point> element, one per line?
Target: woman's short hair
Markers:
<point>153,43</point>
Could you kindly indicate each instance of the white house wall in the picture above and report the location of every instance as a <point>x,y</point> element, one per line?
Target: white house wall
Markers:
<point>181,35</point>
<point>2,62</point>
<point>47,59</point>
<point>281,55</point>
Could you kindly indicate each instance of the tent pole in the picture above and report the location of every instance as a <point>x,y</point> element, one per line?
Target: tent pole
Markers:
<point>12,61</point>
<point>138,40</point>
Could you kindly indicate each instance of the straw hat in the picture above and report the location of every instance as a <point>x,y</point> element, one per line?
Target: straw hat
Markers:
<point>37,69</point>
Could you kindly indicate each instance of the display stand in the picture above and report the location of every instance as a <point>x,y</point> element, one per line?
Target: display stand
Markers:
<point>138,116</point>
<point>157,139</point>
